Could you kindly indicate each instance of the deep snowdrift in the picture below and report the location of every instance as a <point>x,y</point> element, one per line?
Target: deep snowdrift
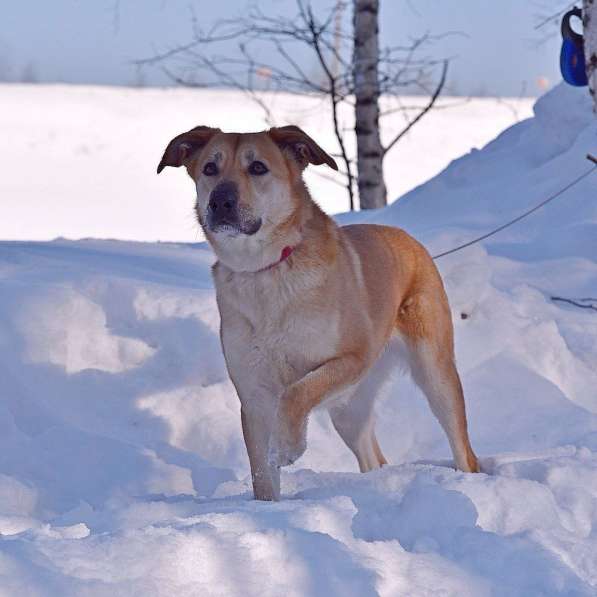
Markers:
<point>122,467</point>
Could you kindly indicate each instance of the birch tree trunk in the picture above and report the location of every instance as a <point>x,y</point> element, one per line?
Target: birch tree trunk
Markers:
<point>589,18</point>
<point>372,189</point>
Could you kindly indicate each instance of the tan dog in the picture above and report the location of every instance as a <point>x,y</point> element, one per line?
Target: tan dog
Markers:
<point>307,308</point>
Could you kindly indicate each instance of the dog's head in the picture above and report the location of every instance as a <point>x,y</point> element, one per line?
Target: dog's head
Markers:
<point>248,184</point>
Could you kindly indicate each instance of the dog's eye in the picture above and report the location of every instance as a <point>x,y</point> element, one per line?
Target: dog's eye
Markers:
<point>210,169</point>
<point>257,168</point>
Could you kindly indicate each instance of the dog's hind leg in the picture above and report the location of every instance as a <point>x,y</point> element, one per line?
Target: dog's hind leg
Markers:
<point>354,418</point>
<point>355,423</point>
<point>426,325</point>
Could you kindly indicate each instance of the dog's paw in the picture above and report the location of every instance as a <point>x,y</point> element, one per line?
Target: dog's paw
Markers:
<point>289,439</point>
<point>285,453</point>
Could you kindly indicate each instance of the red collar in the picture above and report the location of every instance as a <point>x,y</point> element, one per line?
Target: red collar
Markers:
<point>284,255</point>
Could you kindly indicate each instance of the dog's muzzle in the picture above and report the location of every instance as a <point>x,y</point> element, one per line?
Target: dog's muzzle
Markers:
<point>224,212</point>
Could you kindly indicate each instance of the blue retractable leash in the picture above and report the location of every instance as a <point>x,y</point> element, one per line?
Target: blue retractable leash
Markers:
<point>572,56</point>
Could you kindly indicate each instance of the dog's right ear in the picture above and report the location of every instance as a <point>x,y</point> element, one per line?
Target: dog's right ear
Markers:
<point>185,146</point>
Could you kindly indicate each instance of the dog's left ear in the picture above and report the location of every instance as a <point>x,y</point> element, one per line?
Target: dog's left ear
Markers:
<point>185,146</point>
<point>303,148</point>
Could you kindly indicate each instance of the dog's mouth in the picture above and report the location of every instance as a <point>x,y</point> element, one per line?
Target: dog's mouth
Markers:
<point>234,227</point>
<point>251,227</point>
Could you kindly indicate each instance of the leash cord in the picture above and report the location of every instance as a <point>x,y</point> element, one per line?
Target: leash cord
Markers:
<point>521,216</point>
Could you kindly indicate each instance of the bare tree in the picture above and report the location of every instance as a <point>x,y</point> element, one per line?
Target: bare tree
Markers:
<point>340,69</point>
<point>589,18</point>
<point>372,188</point>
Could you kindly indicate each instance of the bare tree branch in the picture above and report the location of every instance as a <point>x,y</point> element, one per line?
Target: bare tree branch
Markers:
<point>334,100</point>
<point>422,113</point>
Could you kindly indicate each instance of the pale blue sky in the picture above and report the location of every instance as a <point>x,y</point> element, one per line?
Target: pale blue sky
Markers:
<point>94,41</point>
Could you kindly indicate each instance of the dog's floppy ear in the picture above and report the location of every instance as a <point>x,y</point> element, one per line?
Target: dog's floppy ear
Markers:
<point>183,147</point>
<point>303,148</point>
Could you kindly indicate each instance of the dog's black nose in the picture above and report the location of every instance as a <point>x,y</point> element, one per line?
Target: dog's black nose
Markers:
<point>223,200</point>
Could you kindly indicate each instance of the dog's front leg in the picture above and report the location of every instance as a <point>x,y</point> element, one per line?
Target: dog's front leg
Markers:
<point>259,399</point>
<point>290,440</point>
<point>257,421</point>
<point>259,393</point>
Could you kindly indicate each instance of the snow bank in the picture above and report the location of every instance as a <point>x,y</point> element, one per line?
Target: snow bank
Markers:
<point>122,467</point>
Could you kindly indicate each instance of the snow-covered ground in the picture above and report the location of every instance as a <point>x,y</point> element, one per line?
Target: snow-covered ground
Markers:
<point>122,467</point>
<point>79,162</point>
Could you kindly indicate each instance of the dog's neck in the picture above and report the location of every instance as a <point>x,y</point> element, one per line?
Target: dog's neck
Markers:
<point>287,251</point>
<point>301,236</point>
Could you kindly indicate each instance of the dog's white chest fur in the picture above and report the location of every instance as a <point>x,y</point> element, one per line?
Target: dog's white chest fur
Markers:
<point>271,318</point>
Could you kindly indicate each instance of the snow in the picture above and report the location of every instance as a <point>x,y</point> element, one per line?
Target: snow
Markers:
<point>122,466</point>
<point>89,154</point>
